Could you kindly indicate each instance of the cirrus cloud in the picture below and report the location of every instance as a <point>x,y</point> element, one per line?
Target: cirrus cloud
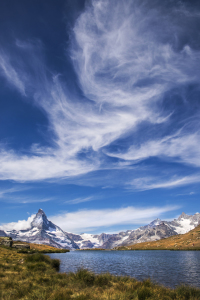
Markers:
<point>125,62</point>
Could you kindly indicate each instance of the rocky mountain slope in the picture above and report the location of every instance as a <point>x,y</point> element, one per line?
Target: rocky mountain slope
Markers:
<point>187,241</point>
<point>156,230</point>
<point>43,231</point>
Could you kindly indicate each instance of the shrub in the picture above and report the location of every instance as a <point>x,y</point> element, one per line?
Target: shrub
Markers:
<point>85,276</point>
<point>55,264</point>
<point>144,293</point>
<point>63,294</point>
<point>41,258</point>
<point>39,266</point>
<point>82,297</point>
<point>187,292</point>
<point>102,280</point>
<point>37,257</point>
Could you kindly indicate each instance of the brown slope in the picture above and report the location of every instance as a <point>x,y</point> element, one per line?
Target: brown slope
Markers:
<point>38,247</point>
<point>187,241</point>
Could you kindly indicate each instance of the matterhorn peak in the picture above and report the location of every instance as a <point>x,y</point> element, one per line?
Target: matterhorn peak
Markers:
<point>41,212</point>
<point>40,220</point>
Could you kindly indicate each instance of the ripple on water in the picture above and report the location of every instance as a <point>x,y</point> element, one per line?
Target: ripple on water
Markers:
<point>169,268</point>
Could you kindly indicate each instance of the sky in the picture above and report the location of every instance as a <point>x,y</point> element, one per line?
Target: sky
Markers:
<point>99,112</point>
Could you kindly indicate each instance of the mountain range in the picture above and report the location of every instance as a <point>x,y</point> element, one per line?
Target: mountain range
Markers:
<point>43,231</point>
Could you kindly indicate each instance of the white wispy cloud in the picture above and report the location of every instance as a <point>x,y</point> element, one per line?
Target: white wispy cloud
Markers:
<point>148,183</point>
<point>11,195</point>
<point>179,147</point>
<point>87,220</point>
<point>80,200</point>
<point>9,72</point>
<point>20,225</point>
<point>4,192</point>
<point>124,68</point>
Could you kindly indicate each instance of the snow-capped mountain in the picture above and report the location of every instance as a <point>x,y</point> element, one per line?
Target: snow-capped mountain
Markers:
<point>43,231</point>
<point>156,230</point>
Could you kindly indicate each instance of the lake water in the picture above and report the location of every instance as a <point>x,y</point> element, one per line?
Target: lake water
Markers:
<point>169,268</point>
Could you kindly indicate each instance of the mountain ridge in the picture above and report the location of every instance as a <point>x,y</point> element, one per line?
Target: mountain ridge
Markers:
<point>186,241</point>
<point>43,231</point>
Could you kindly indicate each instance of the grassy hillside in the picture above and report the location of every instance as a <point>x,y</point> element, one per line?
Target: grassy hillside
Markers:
<point>40,248</point>
<point>35,276</point>
<point>187,241</point>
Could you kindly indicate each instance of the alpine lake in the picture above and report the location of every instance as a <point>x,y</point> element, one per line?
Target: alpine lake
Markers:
<point>168,268</point>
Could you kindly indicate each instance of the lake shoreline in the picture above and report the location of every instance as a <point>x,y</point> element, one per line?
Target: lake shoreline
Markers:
<point>35,276</point>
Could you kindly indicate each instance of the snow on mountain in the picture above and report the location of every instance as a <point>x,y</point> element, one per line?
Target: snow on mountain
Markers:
<point>156,230</point>
<point>43,231</point>
<point>184,223</point>
<point>154,223</point>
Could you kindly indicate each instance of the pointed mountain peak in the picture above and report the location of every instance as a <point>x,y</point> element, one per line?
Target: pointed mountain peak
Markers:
<point>183,216</point>
<point>41,212</point>
<point>155,223</point>
<point>40,220</point>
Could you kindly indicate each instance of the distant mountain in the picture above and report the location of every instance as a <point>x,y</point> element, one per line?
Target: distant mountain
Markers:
<point>43,231</point>
<point>187,241</point>
<point>156,230</point>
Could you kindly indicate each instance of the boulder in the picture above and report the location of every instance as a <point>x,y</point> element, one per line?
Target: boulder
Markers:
<point>21,246</point>
<point>7,243</point>
<point>5,238</point>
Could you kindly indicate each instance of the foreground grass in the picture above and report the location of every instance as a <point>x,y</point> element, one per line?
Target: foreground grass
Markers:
<point>35,276</point>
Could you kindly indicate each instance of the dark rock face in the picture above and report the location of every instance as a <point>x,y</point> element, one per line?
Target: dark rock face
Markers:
<point>2,233</point>
<point>74,237</point>
<point>103,238</point>
<point>110,241</point>
<point>183,216</point>
<point>41,222</point>
<point>87,244</point>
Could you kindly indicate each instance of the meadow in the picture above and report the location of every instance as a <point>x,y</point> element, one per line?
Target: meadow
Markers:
<point>35,276</point>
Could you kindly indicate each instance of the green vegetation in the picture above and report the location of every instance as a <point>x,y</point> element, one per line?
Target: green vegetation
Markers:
<point>45,251</point>
<point>32,277</point>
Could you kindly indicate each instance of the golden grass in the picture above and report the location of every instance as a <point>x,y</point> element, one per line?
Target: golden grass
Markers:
<point>187,241</point>
<point>31,277</point>
<point>40,247</point>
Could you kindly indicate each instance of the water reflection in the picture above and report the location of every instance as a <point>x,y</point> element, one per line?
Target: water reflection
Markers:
<point>169,268</point>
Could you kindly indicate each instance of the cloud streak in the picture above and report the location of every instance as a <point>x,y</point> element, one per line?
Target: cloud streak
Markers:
<point>80,200</point>
<point>9,72</point>
<point>149,183</point>
<point>90,220</point>
<point>20,225</point>
<point>126,62</point>
<point>87,220</point>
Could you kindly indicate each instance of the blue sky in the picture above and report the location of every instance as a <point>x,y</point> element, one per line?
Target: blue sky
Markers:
<point>99,112</point>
